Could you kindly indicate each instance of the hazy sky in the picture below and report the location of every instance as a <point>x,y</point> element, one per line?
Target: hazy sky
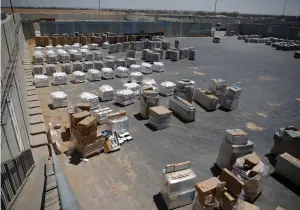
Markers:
<point>242,6</point>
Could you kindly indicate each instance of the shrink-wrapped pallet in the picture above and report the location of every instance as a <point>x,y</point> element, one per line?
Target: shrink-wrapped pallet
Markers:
<point>107,73</point>
<point>122,72</point>
<point>60,78</point>
<point>41,80</point>
<point>136,77</point>
<point>106,93</point>
<point>93,75</point>
<point>167,88</point>
<point>50,69</point>
<point>133,86</point>
<point>37,69</point>
<point>98,65</point>
<point>125,97</point>
<point>78,76</point>
<point>89,98</point>
<point>66,67</point>
<point>146,68</point>
<point>59,99</point>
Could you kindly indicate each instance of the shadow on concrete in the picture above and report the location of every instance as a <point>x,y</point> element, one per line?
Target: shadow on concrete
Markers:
<point>139,117</point>
<point>118,105</point>
<point>224,109</point>
<point>75,158</point>
<point>159,202</point>
<point>271,158</point>
<point>215,170</point>
<point>287,183</point>
<point>180,119</point>
<point>151,127</point>
<point>203,107</point>
<point>65,136</point>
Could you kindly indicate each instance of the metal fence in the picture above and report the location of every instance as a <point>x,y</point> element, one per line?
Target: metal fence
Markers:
<point>14,173</point>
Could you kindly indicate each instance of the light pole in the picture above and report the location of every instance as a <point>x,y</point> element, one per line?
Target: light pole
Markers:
<point>215,7</point>
<point>284,8</point>
<point>99,9</point>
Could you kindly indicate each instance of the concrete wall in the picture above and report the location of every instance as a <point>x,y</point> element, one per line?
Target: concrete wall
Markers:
<point>14,124</point>
<point>86,27</point>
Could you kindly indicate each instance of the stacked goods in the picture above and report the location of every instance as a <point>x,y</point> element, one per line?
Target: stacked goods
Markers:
<point>111,143</point>
<point>93,75</point>
<point>185,89</point>
<point>62,40</point>
<point>78,76</point>
<point>72,52</point>
<point>160,51</point>
<point>121,62</point>
<point>186,52</point>
<point>93,46</point>
<point>148,56</point>
<point>59,99</point>
<point>37,69</point>
<point>58,47</point>
<point>167,88</point>
<point>135,68</point>
<point>45,40</point>
<point>176,44</point>
<point>83,40</point>
<point>146,68</point>
<point>288,166</point>
<point>89,98</point>
<point>38,58</point>
<point>158,44</point>
<point>158,67</point>
<point>133,87</point>
<point>117,122</point>
<point>137,46</point>
<point>113,48</point>
<point>230,99</point>
<point>148,98</point>
<point>107,73</point>
<point>287,140</point>
<point>207,191</point>
<point>76,40</point>
<point>149,83</point>
<point>168,54</point>
<point>110,63</point>
<point>83,128</point>
<point>125,97</point>
<point>182,108</point>
<point>38,41</point>
<point>181,54</point>
<point>126,46</point>
<point>192,54</point>
<point>122,72</point>
<point>64,57</point>
<point>131,61</point>
<point>67,47</point>
<point>151,45</point>
<point>59,52</point>
<point>88,56</point>
<point>50,69</point>
<point>178,185</point>
<point>166,45</point>
<point>88,65</point>
<point>41,80</point>
<point>206,99</point>
<point>38,48</point>
<point>98,56</point>
<point>145,52</point>
<point>110,57</point>
<point>252,171</point>
<point>49,47</point>
<point>136,77</point>
<point>217,87</point>
<point>235,145</point>
<point>119,47</point>
<point>66,67</point>
<point>51,58</point>
<point>76,46</point>
<point>105,45</point>
<point>60,78</point>
<point>98,65</point>
<point>106,93</point>
<point>159,117</point>
<point>174,55</point>
<point>101,115</point>
<point>131,53</point>
<point>77,56</point>
<point>77,66</point>
<point>155,57</point>
<point>123,137</point>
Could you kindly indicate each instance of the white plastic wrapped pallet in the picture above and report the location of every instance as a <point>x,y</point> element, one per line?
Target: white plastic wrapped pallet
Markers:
<point>98,64</point>
<point>119,125</point>
<point>49,47</point>
<point>67,47</point>
<point>78,76</point>
<point>88,65</point>
<point>41,80</point>
<point>106,93</point>
<point>77,66</point>
<point>59,99</point>
<point>122,72</point>
<point>125,97</point>
<point>93,46</point>
<point>76,46</point>
<point>158,67</point>
<point>89,98</point>
<point>133,86</point>
<point>66,67</point>
<point>167,88</point>
<point>107,73</point>
<point>38,57</point>
<point>38,48</point>
<point>217,87</point>
<point>93,75</point>
<point>98,56</point>
<point>50,69</point>
<point>135,68</point>
<point>130,61</point>
<point>51,57</point>
<point>146,68</point>
<point>149,83</point>
<point>105,45</point>
<point>58,47</point>
<point>37,69</point>
<point>121,62</point>
<point>110,63</point>
<point>89,56</point>
<point>60,78</point>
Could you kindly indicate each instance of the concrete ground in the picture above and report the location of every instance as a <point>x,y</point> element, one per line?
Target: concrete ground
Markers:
<point>130,178</point>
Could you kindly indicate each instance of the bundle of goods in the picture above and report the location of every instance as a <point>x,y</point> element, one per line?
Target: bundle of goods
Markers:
<point>181,54</point>
<point>176,44</point>
<point>159,117</point>
<point>107,73</point>
<point>47,53</point>
<point>58,47</point>
<point>83,129</point>
<point>131,61</point>
<point>206,98</point>
<point>125,97</point>
<point>158,67</point>
<point>178,185</point>
<point>148,56</point>
<point>105,45</point>
<point>117,122</point>
<point>166,45</point>
<point>168,54</point>
<point>98,56</point>
<point>78,76</point>
<point>59,52</point>
<point>192,54</point>
<point>64,57</point>
<point>158,44</point>
<point>182,108</point>
<point>167,88</point>
<point>88,65</point>
<point>148,98</point>
<point>89,98</point>
<point>41,80</point>
<point>119,47</point>
<point>126,46</point>
<point>67,47</point>
<point>131,54</point>
<point>160,51</point>
<point>145,53</point>
<point>60,78</point>
<point>66,67</point>
<point>123,137</point>
<point>186,52</point>
<point>110,57</point>
<point>59,99</point>
<point>150,83</point>
<point>72,52</point>
<point>84,47</point>
<point>136,77</point>
<point>151,45</point>
<point>135,68</point>
<point>77,66</point>
<point>93,75</point>
<point>122,72</point>
<point>38,48</point>
<point>101,114</point>
<point>93,46</point>
<point>146,68</point>
<point>217,87</point>
<point>106,93</point>
<point>121,62</point>
<point>288,167</point>
<point>185,89</point>
<point>110,63</point>
<point>174,55</point>
<point>49,47</point>
<point>88,56</point>
<point>113,48</point>
<point>98,65</point>
<point>51,57</point>
<point>38,57</point>
<point>287,140</point>
<point>50,69</point>
<point>76,46</point>
<point>252,171</point>
<point>235,145</point>
<point>134,87</point>
<point>37,69</point>
<point>155,56</point>
<point>230,99</point>
<point>111,143</point>
<point>136,46</point>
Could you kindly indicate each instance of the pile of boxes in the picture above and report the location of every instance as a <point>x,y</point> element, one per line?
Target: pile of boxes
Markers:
<point>78,76</point>
<point>117,122</point>
<point>182,108</point>
<point>106,93</point>
<point>41,80</point>
<point>125,97</point>
<point>206,99</point>
<point>230,99</point>
<point>60,78</point>
<point>148,98</point>
<point>158,67</point>
<point>59,99</point>
<point>89,98</point>
<point>93,75</point>
<point>159,117</point>
<point>185,89</point>
<point>217,87</point>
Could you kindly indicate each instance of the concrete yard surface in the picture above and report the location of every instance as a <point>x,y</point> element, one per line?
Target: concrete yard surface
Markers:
<point>131,178</point>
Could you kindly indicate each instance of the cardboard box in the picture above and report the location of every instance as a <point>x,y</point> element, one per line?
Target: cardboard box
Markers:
<point>84,106</point>
<point>254,171</point>
<point>86,139</point>
<point>236,136</point>
<point>207,188</point>
<point>86,123</point>
<point>252,160</point>
<point>160,111</point>
<point>228,201</point>
<point>77,117</point>
<point>233,184</point>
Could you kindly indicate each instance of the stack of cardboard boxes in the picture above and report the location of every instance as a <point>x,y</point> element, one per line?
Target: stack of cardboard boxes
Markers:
<point>148,98</point>
<point>206,99</point>
<point>182,108</point>
<point>159,117</point>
